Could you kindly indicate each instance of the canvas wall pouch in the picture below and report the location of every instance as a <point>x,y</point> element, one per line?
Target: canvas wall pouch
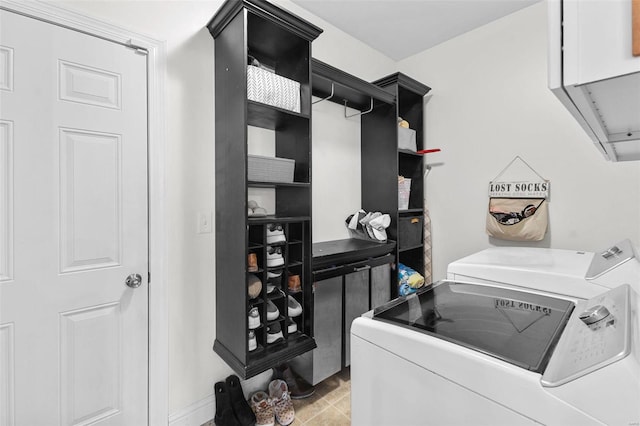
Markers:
<point>518,208</point>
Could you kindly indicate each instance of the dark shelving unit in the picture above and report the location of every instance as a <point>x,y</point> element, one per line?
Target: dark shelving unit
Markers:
<point>383,162</point>
<point>282,42</point>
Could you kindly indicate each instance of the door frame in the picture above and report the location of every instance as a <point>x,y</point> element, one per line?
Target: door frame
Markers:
<point>158,387</point>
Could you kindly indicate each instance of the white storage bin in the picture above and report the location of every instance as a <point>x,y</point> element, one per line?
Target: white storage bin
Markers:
<point>404,192</point>
<point>272,89</point>
<point>407,139</point>
<point>270,169</point>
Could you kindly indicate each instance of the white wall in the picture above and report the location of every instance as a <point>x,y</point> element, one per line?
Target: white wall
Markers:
<point>190,174</point>
<point>490,102</point>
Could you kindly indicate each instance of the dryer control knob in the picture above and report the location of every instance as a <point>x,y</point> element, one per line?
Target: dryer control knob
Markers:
<point>594,314</point>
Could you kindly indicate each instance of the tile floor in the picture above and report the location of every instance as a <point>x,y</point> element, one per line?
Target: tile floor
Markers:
<point>330,405</point>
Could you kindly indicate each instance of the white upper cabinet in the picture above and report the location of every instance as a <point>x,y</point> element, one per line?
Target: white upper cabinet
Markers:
<point>597,40</point>
<point>593,71</point>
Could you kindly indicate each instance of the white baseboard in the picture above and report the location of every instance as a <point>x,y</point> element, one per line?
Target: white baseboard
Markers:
<point>195,414</point>
<point>204,410</point>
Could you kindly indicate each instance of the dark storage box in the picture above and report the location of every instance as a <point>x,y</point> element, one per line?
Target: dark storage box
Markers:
<point>409,231</point>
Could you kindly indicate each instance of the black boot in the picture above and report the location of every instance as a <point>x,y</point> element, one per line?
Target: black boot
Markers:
<point>241,407</point>
<point>224,411</point>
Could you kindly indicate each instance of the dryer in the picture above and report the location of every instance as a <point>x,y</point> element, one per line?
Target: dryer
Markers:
<point>526,342</point>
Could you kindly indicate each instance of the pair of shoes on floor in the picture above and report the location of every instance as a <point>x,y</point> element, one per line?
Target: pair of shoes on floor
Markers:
<point>298,387</point>
<point>276,405</point>
<point>232,409</point>
<point>262,407</point>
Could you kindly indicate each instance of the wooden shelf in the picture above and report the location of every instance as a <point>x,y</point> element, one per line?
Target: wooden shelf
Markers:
<point>410,153</point>
<point>257,184</point>
<point>270,117</point>
<point>410,211</point>
<point>279,219</point>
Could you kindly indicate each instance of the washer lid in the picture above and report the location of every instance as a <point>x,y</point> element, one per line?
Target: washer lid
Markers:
<point>517,327</point>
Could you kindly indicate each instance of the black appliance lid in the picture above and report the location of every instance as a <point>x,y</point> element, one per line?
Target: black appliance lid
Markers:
<point>515,326</point>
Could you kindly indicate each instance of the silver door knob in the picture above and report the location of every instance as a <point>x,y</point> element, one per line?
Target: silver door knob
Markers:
<point>134,280</point>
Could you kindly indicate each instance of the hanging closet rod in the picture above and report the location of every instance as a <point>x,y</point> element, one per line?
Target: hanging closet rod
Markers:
<point>327,98</point>
<point>359,113</point>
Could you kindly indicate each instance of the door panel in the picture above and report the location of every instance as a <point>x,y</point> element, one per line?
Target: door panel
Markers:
<point>91,234</point>
<point>91,368</point>
<point>6,374</point>
<point>356,303</point>
<point>73,221</point>
<point>380,285</point>
<point>6,200</point>
<point>88,85</point>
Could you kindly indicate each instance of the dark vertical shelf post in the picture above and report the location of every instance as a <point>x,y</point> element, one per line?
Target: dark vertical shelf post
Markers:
<point>388,162</point>
<point>282,42</point>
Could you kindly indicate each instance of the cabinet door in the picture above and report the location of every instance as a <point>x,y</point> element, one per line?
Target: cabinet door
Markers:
<point>380,285</point>
<point>327,328</point>
<point>356,302</point>
<point>597,40</point>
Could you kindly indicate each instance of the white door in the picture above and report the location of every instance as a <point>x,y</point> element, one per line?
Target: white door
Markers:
<point>73,222</point>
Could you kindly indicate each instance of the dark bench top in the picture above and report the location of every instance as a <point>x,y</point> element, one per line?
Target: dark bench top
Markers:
<point>339,252</point>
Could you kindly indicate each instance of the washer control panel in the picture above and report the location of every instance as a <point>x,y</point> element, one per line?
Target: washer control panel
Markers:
<point>594,315</point>
<point>597,334</point>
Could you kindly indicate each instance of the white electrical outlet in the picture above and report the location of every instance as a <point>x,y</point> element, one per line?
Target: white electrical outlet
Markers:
<point>204,223</point>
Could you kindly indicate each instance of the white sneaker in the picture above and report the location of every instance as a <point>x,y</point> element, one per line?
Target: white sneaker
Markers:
<point>272,311</point>
<point>292,327</point>
<point>253,344</point>
<point>274,278</point>
<point>274,333</point>
<point>293,307</point>
<point>254,318</point>
<point>274,256</point>
<point>275,234</point>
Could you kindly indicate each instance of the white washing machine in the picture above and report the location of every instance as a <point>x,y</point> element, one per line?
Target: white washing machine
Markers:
<point>514,336</point>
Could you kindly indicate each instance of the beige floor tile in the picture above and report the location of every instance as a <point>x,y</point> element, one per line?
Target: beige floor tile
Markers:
<point>328,385</point>
<point>338,391</point>
<point>344,405</point>
<point>329,417</point>
<point>309,407</point>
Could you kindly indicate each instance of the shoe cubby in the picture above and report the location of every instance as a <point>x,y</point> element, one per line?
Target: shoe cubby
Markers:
<point>282,252</point>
